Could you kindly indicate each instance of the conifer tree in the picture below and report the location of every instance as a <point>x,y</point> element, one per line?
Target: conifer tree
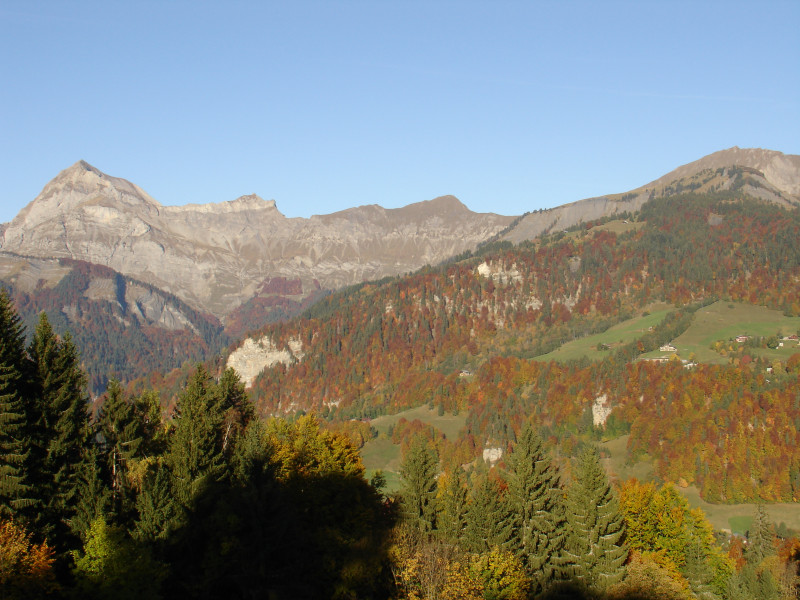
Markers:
<point>159,513</point>
<point>452,501</point>
<point>15,455</point>
<point>60,427</point>
<point>12,338</point>
<point>537,505</point>
<point>236,408</point>
<point>488,517</point>
<point>594,553</point>
<point>121,431</point>
<point>14,488</point>
<point>93,495</point>
<point>760,538</point>
<point>195,452</point>
<point>418,473</point>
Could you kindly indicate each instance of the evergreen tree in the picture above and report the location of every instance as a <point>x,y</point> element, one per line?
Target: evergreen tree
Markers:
<point>418,473</point>
<point>536,501</point>
<point>594,553</point>
<point>121,431</point>
<point>488,518</point>
<point>60,425</point>
<point>195,452</point>
<point>452,501</point>
<point>93,495</point>
<point>15,490</point>
<point>12,339</point>
<point>760,538</point>
<point>159,512</point>
<point>235,406</point>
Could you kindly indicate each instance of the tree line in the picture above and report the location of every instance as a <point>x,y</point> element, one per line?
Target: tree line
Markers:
<point>518,531</point>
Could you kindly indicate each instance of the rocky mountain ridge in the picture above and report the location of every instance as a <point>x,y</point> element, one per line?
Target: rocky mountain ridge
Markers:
<point>217,256</point>
<point>770,175</point>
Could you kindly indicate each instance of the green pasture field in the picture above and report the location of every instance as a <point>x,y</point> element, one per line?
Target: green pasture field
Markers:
<point>449,424</point>
<point>727,320</point>
<point>619,334</point>
<point>382,454</point>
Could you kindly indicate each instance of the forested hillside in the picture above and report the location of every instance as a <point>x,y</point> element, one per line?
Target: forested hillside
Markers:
<point>466,336</point>
<point>121,327</point>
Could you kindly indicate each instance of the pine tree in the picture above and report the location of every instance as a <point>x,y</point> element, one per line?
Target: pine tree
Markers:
<point>488,517</point>
<point>60,426</point>
<point>594,553</point>
<point>536,501</point>
<point>195,453</point>
<point>418,473</point>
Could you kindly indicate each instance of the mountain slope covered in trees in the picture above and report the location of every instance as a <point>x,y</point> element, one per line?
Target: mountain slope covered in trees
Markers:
<point>466,336</point>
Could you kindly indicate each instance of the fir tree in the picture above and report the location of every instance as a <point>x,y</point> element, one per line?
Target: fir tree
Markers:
<point>159,512</point>
<point>15,454</point>
<point>121,430</point>
<point>60,426</point>
<point>760,538</point>
<point>236,408</point>
<point>14,488</point>
<point>418,473</point>
<point>488,517</point>
<point>195,453</point>
<point>536,501</point>
<point>594,553</point>
<point>452,501</point>
<point>93,495</point>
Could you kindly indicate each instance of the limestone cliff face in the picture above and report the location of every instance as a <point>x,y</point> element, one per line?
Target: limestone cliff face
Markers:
<point>216,256</point>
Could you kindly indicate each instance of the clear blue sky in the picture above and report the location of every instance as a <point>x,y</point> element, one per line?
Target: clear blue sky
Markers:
<point>511,106</point>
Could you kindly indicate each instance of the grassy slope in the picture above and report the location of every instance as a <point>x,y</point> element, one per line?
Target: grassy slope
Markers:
<point>726,320</point>
<point>619,334</point>
<point>382,454</point>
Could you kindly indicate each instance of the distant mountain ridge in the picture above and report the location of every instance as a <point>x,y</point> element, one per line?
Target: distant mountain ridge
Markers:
<point>771,176</point>
<point>216,256</point>
<point>190,271</point>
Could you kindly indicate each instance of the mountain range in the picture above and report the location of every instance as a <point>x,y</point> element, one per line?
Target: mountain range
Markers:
<point>111,264</point>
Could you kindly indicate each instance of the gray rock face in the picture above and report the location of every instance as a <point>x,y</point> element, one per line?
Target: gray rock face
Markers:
<point>215,256</point>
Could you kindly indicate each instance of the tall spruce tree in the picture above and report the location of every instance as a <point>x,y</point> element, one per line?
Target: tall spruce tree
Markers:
<point>452,516</point>
<point>537,506</point>
<point>15,491</point>
<point>594,552</point>
<point>418,474</point>
<point>488,517</point>
<point>195,453</point>
<point>760,537</point>
<point>60,425</point>
<point>122,434</point>
<point>14,452</point>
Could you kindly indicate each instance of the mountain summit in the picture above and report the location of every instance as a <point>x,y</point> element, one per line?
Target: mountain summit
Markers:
<point>218,256</point>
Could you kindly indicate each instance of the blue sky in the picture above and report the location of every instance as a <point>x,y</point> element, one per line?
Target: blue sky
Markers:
<point>511,106</point>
